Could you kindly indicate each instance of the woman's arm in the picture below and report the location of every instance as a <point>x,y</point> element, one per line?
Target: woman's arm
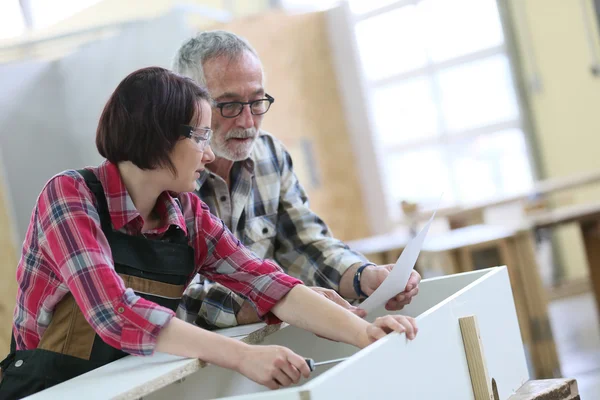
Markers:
<point>306,309</point>
<point>272,366</point>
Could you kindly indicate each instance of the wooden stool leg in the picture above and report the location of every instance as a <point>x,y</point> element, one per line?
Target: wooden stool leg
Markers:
<point>591,239</point>
<point>465,257</point>
<point>509,259</point>
<point>543,349</point>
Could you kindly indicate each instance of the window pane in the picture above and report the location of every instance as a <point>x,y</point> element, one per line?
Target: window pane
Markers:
<point>491,165</point>
<point>46,13</point>
<point>362,6</point>
<point>391,43</point>
<point>459,27</point>
<point>11,19</point>
<point>405,112</point>
<point>477,94</point>
<point>419,175</point>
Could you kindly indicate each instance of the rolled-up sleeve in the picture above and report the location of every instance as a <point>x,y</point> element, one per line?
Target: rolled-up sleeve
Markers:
<point>71,238</point>
<point>223,259</point>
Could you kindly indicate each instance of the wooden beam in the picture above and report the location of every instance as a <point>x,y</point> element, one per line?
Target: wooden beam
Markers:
<point>548,389</point>
<point>482,384</point>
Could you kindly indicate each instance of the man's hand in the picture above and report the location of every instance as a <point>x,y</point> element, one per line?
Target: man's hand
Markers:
<point>373,276</point>
<point>339,300</point>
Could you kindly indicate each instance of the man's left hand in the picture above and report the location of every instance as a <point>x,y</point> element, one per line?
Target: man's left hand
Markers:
<point>373,276</point>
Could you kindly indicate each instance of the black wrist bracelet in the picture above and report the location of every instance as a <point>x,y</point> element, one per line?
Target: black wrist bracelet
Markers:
<point>357,275</point>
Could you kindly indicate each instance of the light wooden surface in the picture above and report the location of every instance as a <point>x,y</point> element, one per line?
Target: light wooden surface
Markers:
<point>8,266</point>
<point>482,384</point>
<point>474,235</point>
<point>382,249</point>
<point>540,188</point>
<point>564,215</point>
<point>590,230</point>
<point>548,389</point>
<point>437,355</point>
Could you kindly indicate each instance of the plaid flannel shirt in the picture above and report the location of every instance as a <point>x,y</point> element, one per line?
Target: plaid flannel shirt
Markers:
<point>65,251</point>
<point>267,210</point>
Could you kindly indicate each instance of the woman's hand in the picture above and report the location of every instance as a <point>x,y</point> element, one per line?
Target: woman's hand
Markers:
<point>391,323</point>
<point>272,366</point>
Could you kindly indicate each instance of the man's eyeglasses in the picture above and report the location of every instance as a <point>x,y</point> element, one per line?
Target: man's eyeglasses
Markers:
<point>232,109</point>
<point>201,136</point>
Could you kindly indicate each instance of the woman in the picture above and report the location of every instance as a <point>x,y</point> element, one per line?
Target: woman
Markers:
<point>110,250</point>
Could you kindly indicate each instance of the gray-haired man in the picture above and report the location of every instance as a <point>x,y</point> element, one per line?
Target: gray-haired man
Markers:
<point>251,186</point>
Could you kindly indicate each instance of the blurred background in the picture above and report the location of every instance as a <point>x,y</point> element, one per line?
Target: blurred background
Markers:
<point>384,105</point>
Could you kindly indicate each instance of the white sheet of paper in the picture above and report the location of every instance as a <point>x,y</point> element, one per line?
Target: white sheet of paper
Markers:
<point>396,281</point>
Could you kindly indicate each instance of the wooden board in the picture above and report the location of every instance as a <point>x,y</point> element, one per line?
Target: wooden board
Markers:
<point>437,355</point>
<point>8,266</point>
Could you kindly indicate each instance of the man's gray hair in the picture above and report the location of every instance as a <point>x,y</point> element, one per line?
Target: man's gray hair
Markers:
<point>194,52</point>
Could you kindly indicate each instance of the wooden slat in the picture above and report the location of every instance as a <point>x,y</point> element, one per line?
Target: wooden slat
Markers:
<point>508,258</point>
<point>543,348</point>
<point>8,265</point>
<point>591,239</point>
<point>482,384</point>
<point>548,389</point>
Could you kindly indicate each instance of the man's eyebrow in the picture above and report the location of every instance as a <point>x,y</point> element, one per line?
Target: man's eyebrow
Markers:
<point>227,95</point>
<point>233,95</point>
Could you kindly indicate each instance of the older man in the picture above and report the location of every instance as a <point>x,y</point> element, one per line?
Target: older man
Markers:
<point>252,187</point>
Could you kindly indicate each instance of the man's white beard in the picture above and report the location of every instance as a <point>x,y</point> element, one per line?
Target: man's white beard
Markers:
<point>237,152</point>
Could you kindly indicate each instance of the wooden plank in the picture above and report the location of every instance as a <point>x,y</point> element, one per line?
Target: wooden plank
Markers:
<point>380,243</point>
<point>8,266</point>
<point>564,215</point>
<point>509,259</point>
<point>543,349</point>
<point>545,187</point>
<point>569,288</point>
<point>591,239</point>
<point>465,260</point>
<point>548,389</point>
<point>482,385</point>
<point>475,235</point>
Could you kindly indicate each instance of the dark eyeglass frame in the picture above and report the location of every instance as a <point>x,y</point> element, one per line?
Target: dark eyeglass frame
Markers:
<point>268,98</point>
<point>202,140</point>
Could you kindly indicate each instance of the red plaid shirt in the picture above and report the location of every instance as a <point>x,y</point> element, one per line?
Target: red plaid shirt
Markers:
<point>66,251</point>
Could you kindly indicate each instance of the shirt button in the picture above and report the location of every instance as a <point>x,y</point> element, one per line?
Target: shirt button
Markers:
<point>223,198</point>
<point>121,310</point>
<point>18,363</point>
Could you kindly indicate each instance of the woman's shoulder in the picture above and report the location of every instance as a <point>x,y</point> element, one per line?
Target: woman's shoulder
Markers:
<point>67,183</point>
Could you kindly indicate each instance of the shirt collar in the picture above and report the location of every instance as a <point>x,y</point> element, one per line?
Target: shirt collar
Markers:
<point>122,210</point>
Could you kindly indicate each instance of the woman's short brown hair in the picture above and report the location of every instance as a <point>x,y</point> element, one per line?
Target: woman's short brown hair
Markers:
<point>141,120</point>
